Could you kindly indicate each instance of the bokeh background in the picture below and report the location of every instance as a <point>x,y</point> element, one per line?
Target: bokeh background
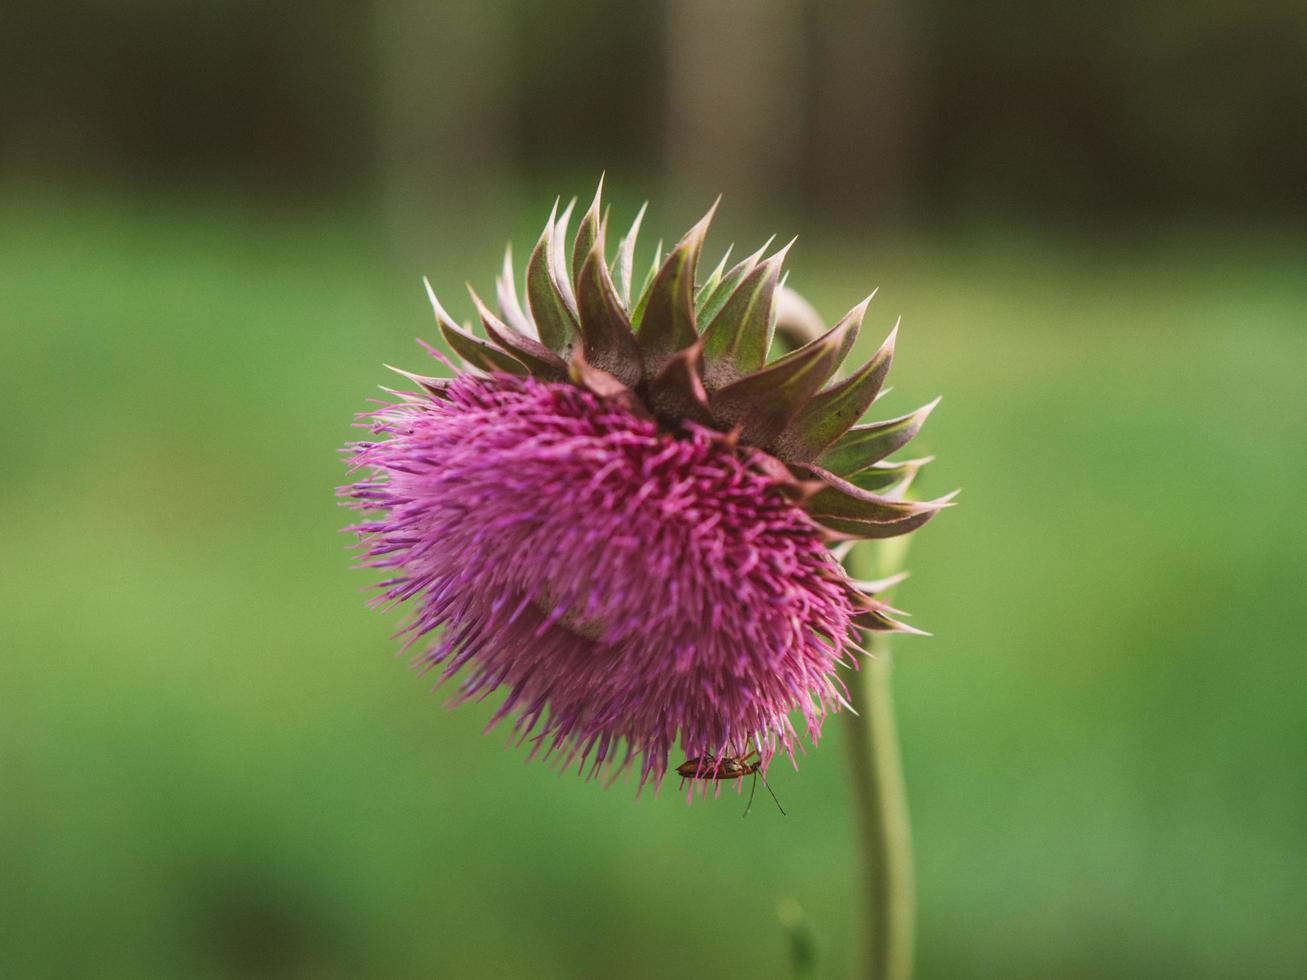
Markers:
<point>213,220</point>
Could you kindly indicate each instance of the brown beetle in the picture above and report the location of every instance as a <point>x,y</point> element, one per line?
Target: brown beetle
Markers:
<point>721,768</point>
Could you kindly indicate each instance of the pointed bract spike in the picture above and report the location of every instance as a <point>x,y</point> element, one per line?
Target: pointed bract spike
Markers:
<point>878,622</point>
<point>764,402</point>
<point>443,319</point>
<point>839,498</point>
<point>638,312</point>
<point>713,304</point>
<point>705,291</point>
<point>835,410</point>
<point>874,586</point>
<point>751,260</point>
<point>897,491</point>
<point>409,397</point>
<point>538,359</point>
<point>586,233</point>
<point>510,307</point>
<point>873,530</point>
<point>554,319</point>
<point>736,340</point>
<point>433,386</point>
<point>667,323</point>
<point>677,391</point>
<point>625,262</point>
<point>558,257</point>
<point>866,444</point>
<point>436,308</point>
<point>882,476</point>
<point>849,342</point>
<point>841,551</point>
<point>864,304</point>
<point>605,331</point>
<point>477,352</point>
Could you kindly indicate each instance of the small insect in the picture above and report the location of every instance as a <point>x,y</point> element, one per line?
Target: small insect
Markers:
<point>719,769</point>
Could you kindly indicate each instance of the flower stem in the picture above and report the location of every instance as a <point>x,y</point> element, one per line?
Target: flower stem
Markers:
<point>881,812</point>
<point>876,773</point>
<point>882,819</point>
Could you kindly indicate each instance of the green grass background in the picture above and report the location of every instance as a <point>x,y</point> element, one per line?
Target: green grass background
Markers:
<point>213,766</point>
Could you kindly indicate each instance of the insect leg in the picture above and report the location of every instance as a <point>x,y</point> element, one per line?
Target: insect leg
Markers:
<point>752,789</point>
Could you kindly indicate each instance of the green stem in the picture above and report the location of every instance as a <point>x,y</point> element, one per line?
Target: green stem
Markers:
<point>880,798</point>
<point>881,811</point>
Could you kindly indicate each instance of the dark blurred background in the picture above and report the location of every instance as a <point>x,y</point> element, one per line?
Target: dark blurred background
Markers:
<point>213,219</point>
<point>842,110</point>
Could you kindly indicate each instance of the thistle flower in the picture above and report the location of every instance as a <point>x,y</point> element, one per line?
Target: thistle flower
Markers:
<point>622,515</point>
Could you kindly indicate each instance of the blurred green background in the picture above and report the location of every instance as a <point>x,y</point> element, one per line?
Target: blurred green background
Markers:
<point>213,219</point>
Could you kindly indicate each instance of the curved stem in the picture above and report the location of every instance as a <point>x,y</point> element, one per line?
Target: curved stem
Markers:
<point>882,820</point>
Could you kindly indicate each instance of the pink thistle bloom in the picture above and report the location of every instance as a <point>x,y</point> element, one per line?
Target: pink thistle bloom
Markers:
<point>627,530</point>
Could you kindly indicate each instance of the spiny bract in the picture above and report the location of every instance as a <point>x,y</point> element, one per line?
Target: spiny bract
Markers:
<point>619,512</point>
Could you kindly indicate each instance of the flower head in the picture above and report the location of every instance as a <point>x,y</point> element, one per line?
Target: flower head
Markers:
<point>621,515</point>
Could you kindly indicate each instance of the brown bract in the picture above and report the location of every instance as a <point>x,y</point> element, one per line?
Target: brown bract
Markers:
<point>683,350</point>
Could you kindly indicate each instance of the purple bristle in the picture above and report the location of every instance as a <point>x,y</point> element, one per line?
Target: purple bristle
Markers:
<point>629,585</point>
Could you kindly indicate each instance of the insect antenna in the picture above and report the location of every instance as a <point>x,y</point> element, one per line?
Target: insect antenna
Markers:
<point>770,790</point>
